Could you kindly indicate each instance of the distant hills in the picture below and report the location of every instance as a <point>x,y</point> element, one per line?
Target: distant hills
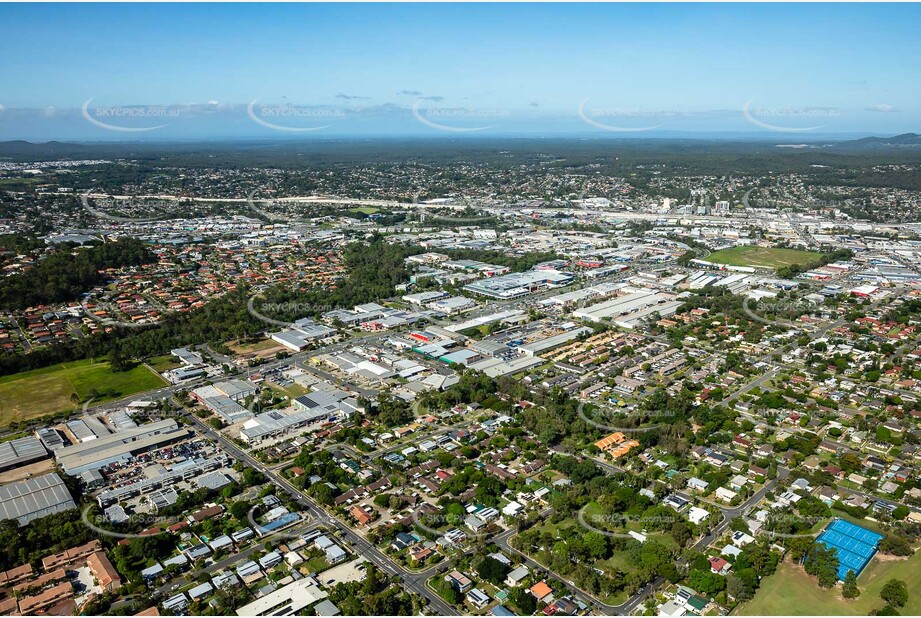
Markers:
<point>905,139</point>
<point>762,154</point>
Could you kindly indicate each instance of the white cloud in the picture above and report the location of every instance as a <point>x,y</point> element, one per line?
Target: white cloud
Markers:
<point>882,108</point>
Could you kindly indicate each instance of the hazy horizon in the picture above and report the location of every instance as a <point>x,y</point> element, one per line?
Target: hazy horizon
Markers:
<point>113,72</point>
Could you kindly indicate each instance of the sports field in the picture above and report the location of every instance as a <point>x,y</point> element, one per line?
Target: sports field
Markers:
<point>44,391</point>
<point>766,257</point>
<point>790,591</point>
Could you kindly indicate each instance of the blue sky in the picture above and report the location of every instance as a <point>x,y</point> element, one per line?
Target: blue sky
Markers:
<point>475,69</point>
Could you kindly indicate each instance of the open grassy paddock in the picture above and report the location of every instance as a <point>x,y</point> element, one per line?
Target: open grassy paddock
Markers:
<point>764,257</point>
<point>30,394</point>
<point>255,347</point>
<point>790,591</point>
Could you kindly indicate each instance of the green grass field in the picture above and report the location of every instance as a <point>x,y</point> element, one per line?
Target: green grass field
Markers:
<point>44,391</point>
<point>164,363</point>
<point>766,257</point>
<point>791,591</point>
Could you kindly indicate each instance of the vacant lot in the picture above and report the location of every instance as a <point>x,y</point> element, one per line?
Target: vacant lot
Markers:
<point>261,347</point>
<point>164,363</point>
<point>765,257</point>
<point>791,591</point>
<point>44,391</point>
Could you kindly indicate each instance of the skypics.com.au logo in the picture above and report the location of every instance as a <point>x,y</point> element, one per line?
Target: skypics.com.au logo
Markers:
<point>602,523</point>
<point>289,118</point>
<point>618,120</point>
<point>788,119</point>
<point>96,212</point>
<point>128,118</point>
<point>456,119</point>
<point>645,416</point>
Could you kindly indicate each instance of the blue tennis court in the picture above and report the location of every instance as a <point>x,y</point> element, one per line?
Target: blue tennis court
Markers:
<point>855,545</point>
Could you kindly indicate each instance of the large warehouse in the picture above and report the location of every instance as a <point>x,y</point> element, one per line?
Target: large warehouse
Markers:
<point>515,285</point>
<point>120,446</point>
<point>22,451</point>
<point>33,498</point>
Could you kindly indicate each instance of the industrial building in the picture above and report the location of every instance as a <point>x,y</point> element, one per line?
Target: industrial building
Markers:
<point>33,498</point>
<point>302,333</point>
<point>224,399</point>
<point>311,408</point>
<point>184,471</point>
<point>515,285</point>
<point>452,305</point>
<point>288,600</point>
<point>20,452</point>
<point>627,308</point>
<point>548,343</point>
<point>121,446</point>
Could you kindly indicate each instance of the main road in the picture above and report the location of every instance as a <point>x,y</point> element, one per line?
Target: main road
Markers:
<point>415,582</point>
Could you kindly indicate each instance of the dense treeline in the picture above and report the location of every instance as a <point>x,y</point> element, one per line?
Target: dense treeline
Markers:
<point>374,270</point>
<point>20,244</point>
<point>69,272</point>
<point>518,263</point>
<point>41,537</point>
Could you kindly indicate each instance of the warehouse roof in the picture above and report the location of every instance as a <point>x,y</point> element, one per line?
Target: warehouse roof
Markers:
<point>33,498</point>
<point>20,451</point>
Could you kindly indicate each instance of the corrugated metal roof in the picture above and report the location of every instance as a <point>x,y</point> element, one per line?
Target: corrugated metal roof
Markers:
<point>33,498</point>
<point>21,450</point>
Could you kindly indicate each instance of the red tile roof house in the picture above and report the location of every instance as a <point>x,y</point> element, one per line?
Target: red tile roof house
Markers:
<point>719,566</point>
<point>361,515</point>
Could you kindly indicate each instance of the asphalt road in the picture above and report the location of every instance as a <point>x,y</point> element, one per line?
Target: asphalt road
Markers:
<point>415,582</point>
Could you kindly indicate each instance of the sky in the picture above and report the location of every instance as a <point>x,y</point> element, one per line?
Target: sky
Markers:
<point>165,71</point>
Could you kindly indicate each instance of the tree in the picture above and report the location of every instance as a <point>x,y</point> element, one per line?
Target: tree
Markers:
<point>240,510</point>
<point>739,588</point>
<point>850,590</point>
<point>822,562</point>
<point>524,600</point>
<point>449,593</point>
<point>118,360</point>
<point>681,532</point>
<point>895,592</point>
<point>492,570</point>
<point>706,582</point>
<point>895,544</point>
<point>322,493</point>
<point>597,544</point>
<point>888,610</point>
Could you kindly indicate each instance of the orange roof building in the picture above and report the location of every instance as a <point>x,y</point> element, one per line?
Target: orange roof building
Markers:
<point>15,575</point>
<point>104,572</point>
<point>71,555</point>
<point>31,604</point>
<point>612,440</point>
<point>616,444</point>
<point>541,590</point>
<point>361,515</point>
